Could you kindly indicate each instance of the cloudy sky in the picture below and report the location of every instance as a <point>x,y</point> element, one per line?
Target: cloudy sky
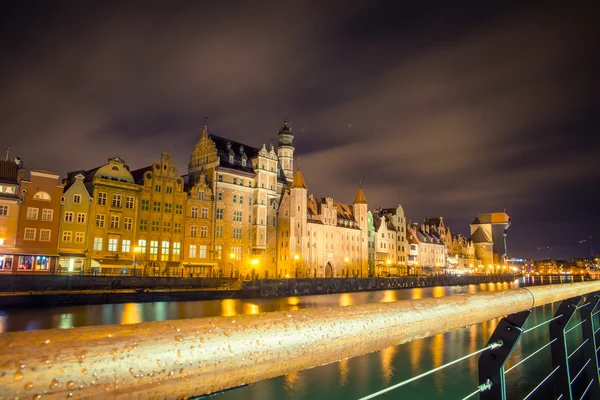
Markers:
<point>448,108</point>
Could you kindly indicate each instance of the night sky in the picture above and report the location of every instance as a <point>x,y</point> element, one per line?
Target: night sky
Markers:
<point>447,108</point>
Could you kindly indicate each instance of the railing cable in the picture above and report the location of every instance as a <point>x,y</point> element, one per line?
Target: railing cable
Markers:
<point>529,356</point>
<point>542,324</point>
<point>491,346</point>
<point>576,325</point>
<point>586,389</point>
<point>481,388</point>
<point>541,383</point>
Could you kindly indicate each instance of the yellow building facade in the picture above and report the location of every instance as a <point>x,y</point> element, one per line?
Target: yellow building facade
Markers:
<point>160,219</point>
<point>74,226</point>
<point>11,173</point>
<point>201,255</point>
<point>112,227</point>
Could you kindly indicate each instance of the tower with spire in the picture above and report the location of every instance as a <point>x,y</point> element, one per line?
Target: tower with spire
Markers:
<point>285,149</point>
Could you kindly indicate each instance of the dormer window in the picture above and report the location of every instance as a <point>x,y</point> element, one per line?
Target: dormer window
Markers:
<point>115,168</point>
<point>243,162</point>
<point>230,159</point>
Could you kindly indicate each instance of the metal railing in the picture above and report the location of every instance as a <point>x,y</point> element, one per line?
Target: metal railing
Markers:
<point>183,358</point>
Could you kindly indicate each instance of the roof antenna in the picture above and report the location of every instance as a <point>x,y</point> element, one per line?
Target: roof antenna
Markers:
<point>285,121</point>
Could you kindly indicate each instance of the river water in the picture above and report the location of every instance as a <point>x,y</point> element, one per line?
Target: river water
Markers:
<point>347,379</point>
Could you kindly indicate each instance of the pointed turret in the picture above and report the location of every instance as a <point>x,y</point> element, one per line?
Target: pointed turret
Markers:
<point>285,149</point>
<point>360,197</point>
<point>205,128</point>
<point>298,182</point>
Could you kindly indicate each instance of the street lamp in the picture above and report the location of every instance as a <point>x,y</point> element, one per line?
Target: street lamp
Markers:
<point>135,251</point>
<point>388,262</point>
<point>346,260</point>
<point>296,257</point>
<point>254,262</point>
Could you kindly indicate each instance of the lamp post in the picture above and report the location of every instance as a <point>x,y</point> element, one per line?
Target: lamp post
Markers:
<point>346,259</point>
<point>296,257</point>
<point>231,257</point>
<point>135,251</point>
<point>254,263</point>
<point>388,263</point>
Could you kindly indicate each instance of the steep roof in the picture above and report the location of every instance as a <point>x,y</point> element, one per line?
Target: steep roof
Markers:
<point>479,236</point>
<point>298,182</point>
<point>360,197</point>
<point>9,172</point>
<point>491,218</point>
<point>138,174</point>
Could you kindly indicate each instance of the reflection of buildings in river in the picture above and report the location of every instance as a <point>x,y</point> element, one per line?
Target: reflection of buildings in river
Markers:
<point>346,300</point>
<point>491,287</point>
<point>416,349</point>
<point>343,366</point>
<point>160,311</point>
<point>228,307</point>
<point>131,314</point>
<point>292,381</point>
<point>472,289</point>
<point>437,350</point>
<point>292,304</point>
<point>250,308</point>
<point>387,366</point>
<point>438,291</point>
<point>417,294</point>
<point>62,321</point>
<point>389,296</point>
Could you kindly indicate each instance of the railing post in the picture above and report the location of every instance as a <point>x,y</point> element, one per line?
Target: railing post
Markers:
<point>560,357</point>
<point>589,347</point>
<point>491,362</point>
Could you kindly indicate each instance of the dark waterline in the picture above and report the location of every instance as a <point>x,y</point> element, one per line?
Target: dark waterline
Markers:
<point>351,378</point>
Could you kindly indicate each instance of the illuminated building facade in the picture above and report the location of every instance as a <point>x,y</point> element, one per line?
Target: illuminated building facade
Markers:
<point>11,173</point>
<point>160,218</point>
<point>488,234</point>
<point>39,219</point>
<point>319,237</point>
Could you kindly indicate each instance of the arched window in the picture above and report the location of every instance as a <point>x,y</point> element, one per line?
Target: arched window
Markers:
<point>42,196</point>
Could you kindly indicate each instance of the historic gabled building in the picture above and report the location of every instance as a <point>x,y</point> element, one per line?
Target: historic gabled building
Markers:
<point>199,259</point>
<point>112,220</point>
<point>371,245</point>
<point>39,220</point>
<point>397,218</point>
<point>488,234</point>
<point>431,248</point>
<point>160,218</point>
<point>74,225</point>
<point>385,246</point>
<point>319,237</point>
<point>11,173</point>
<point>461,253</point>
<point>247,183</point>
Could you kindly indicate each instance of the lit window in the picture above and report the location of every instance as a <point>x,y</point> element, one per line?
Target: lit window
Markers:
<point>125,246</point>
<point>32,212</point>
<point>79,236</point>
<point>100,221</point>
<point>42,196</point>
<point>164,254</point>
<point>29,234</point>
<point>142,245</point>
<point>128,224</point>
<point>193,249</point>
<point>116,200</point>
<point>67,235</point>
<point>113,244</point>
<point>218,252</point>
<point>202,251</point>
<point>176,251</point>
<point>98,243</point>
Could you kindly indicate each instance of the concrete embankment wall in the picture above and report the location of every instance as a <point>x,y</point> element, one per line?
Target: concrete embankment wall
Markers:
<point>36,291</point>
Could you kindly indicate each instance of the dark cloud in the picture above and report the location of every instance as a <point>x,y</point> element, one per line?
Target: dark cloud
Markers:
<point>448,109</point>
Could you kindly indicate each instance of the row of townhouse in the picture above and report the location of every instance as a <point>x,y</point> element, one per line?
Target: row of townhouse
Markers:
<point>239,211</point>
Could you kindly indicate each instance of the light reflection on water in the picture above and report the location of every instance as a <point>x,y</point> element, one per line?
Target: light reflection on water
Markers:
<point>349,378</point>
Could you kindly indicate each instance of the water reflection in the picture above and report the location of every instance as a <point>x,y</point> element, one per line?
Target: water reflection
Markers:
<point>343,364</point>
<point>345,299</point>
<point>131,314</point>
<point>250,308</point>
<point>389,296</point>
<point>228,307</point>
<point>387,368</point>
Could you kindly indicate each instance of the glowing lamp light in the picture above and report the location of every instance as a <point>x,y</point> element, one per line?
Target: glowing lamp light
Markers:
<point>347,259</point>
<point>1,241</point>
<point>296,257</point>
<point>388,262</point>
<point>254,261</point>
<point>137,250</point>
<point>232,256</point>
